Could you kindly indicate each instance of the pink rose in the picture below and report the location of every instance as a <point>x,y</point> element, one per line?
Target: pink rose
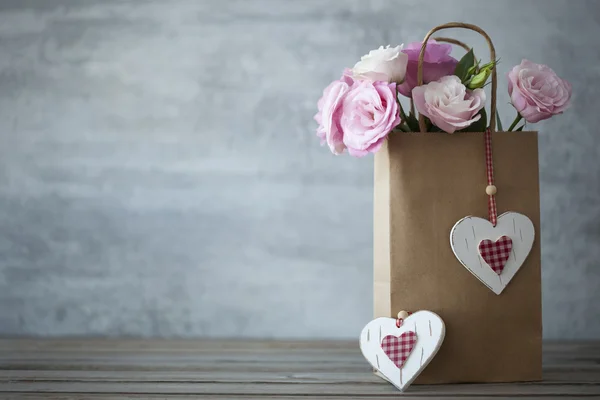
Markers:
<point>448,103</point>
<point>329,114</point>
<point>436,63</point>
<point>537,92</point>
<point>369,112</point>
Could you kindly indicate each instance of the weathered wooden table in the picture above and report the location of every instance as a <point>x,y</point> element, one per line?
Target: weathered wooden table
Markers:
<point>185,369</point>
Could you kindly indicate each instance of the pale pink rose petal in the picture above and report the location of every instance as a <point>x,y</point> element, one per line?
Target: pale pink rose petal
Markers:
<point>370,112</point>
<point>536,92</point>
<point>329,114</point>
<point>448,104</point>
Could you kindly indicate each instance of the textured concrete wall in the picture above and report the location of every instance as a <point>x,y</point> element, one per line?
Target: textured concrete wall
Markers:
<point>159,173</point>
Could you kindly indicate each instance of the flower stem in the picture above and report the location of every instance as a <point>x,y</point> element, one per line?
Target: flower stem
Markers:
<point>412,106</point>
<point>518,118</point>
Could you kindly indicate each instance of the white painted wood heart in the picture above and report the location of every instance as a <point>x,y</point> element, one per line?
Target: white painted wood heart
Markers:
<point>469,232</point>
<point>429,330</point>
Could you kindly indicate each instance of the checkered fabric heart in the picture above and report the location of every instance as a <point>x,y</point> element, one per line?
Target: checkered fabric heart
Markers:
<point>496,253</point>
<point>398,348</point>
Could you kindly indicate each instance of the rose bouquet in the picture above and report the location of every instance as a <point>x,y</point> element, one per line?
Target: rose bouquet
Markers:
<point>358,111</point>
<point>451,205</point>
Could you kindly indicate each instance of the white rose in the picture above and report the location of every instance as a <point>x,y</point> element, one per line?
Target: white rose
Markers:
<point>384,64</point>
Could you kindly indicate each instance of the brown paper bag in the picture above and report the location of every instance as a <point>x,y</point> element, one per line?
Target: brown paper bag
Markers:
<point>424,184</point>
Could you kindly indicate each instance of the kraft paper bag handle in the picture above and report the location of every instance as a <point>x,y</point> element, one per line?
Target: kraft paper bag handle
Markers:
<point>422,125</point>
<point>452,41</point>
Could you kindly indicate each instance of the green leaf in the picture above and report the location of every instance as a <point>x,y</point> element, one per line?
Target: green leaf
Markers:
<point>402,113</point>
<point>464,65</point>
<point>402,127</point>
<point>498,122</point>
<point>413,123</point>
<point>520,128</point>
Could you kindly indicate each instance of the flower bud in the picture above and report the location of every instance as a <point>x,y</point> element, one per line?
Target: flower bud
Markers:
<point>478,81</point>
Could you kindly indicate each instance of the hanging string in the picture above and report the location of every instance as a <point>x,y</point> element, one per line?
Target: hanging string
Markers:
<point>490,189</point>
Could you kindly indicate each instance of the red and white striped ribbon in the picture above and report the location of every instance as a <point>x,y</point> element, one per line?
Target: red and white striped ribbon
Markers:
<point>489,165</point>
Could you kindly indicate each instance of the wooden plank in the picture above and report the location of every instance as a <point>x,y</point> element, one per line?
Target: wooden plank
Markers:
<point>139,362</point>
<point>170,345</point>
<point>274,368</point>
<point>287,366</point>
<point>258,389</point>
<point>184,359</point>
<point>241,357</point>
<point>563,375</point>
<point>99,345</point>
<point>246,354</point>
<point>121,396</point>
<point>574,353</point>
<point>186,363</point>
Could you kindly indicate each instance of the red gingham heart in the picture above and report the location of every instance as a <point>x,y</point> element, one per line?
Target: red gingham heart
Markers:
<point>398,348</point>
<point>496,253</point>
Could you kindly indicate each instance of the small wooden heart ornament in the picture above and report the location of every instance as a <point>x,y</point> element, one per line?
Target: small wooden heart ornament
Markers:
<point>400,354</point>
<point>493,254</point>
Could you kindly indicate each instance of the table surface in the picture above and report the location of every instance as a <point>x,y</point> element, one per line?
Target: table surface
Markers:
<point>185,369</point>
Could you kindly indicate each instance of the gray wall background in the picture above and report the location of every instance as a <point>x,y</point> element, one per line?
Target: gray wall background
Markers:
<point>159,173</point>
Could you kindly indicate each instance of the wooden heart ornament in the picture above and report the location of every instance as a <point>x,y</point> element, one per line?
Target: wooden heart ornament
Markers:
<point>493,254</point>
<point>399,354</point>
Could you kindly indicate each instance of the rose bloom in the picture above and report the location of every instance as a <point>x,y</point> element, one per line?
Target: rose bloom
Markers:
<point>369,112</point>
<point>436,63</point>
<point>328,116</point>
<point>448,103</point>
<point>537,92</point>
<point>384,64</point>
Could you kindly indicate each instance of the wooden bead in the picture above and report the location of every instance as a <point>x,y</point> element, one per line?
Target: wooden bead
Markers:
<point>402,315</point>
<point>491,190</point>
